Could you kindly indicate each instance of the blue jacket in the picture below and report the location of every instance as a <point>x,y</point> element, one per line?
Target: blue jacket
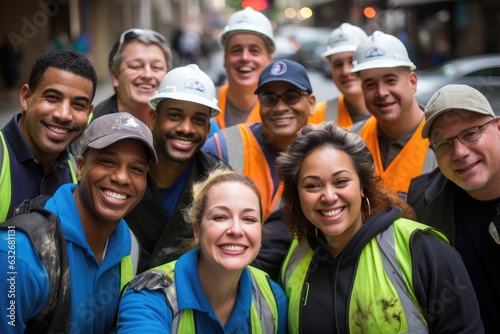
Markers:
<point>148,311</point>
<point>95,288</point>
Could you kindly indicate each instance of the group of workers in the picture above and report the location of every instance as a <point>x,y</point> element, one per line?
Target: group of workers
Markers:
<point>175,206</point>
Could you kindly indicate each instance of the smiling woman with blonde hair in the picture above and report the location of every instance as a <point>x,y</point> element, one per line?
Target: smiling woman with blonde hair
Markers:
<point>212,288</point>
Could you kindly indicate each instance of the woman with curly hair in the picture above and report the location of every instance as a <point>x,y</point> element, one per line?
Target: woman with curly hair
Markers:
<point>359,263</point>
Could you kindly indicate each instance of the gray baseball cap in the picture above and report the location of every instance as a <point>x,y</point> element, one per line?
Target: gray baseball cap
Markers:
<point>110,128</point>
<point>454,97</point>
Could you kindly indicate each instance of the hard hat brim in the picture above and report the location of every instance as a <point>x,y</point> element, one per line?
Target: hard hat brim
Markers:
<point>180,96</point>
<point>382,63</point>
<point>338,49</point>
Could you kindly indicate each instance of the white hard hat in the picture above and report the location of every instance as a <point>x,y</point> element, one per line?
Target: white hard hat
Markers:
<point>345,38</point>
<point>187,83</point>
<point>249,21</point>
<point>379,51</point>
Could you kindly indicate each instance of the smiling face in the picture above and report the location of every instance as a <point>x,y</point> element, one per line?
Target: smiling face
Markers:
<point>330,195</point>
<point>474,167</point>
<point>111,181</point>
<point>388,92</point>
<point>340,65</point>
<point>180,129</point>
<point>230,231</point>
<point>245,57</point>
<point>141,71</point>
<point>55,114</point>
<point>281,122</point>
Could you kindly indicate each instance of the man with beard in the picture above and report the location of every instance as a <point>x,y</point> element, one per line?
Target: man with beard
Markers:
<point>180,122</point>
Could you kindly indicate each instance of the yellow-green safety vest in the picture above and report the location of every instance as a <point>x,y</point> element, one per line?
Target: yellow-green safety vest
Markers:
<point>384,269</point>
<point>263,311</point>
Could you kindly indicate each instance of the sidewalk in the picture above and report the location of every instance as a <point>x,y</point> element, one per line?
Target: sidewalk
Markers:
<point>9,105</point>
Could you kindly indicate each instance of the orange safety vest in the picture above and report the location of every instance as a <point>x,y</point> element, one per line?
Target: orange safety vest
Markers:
<point>338,113</point>
<point>253,117</point>
<point>245,156</point>
<point>409,163</point>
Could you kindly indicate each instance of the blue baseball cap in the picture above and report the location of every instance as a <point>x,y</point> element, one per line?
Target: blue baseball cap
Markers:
<point>285,70</point>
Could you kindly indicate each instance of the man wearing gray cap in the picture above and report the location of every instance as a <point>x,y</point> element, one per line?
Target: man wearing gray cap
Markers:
<point>462,196</point>
<point>66,257</point>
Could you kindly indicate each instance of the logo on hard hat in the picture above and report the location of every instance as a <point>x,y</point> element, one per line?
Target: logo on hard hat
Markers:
<point>127,122</point>
<point>244,19</point>
<point>193,84</point>
<point>278,68</point>
<point>341,38</point>
<point>374,52</point>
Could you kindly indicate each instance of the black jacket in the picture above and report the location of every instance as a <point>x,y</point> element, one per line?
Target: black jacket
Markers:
<point>161,240</point>
<point>440,282</point>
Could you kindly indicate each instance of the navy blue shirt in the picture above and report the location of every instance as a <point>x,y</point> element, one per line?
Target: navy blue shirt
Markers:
<point>28,177</point>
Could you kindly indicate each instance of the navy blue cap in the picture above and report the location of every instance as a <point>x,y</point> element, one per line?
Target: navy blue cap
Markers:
<point>285,70</point>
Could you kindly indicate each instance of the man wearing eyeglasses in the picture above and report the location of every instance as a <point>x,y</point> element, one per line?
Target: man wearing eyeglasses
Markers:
<point>286,100</point>
<point>462,196</point>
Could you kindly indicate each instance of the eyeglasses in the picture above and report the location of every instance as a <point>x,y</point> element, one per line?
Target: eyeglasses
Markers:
<point>290,97</point>
<point>466,137</point>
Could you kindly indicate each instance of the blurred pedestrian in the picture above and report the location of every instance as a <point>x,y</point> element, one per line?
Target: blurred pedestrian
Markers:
<point>359,263</point>
<point>10,59</point>
<point>462,196</point>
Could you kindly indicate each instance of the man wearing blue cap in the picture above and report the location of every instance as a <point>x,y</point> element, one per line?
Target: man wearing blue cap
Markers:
<point>286,100</point>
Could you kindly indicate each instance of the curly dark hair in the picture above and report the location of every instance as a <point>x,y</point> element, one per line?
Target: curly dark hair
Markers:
<point>314,136</point>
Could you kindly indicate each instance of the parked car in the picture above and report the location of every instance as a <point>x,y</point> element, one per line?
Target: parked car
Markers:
<point>481,72</point>
<point>309,43</point>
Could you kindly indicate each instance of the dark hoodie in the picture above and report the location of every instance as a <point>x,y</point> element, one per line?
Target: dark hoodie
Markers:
<point>440,282</point>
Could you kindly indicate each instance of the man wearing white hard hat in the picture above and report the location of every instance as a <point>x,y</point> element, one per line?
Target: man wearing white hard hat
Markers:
<point>248,44</point>
<point>349,107</point>
<point>393,135</point>
<point>180,122</point>
<point>462,197</point>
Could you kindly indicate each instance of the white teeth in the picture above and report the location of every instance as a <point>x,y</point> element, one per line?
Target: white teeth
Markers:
<point>245,69</point>
<point>146,86</point>
<point>183,142</point>
<point>232,248</point>
<point>331,212</point>
<point>115,195</point>
<point>57,130</point>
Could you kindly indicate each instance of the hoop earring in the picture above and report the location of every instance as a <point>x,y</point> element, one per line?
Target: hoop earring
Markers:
<point>368,203</point>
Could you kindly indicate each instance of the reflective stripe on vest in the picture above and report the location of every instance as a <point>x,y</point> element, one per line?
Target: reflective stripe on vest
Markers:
<point>5,180</point>
<point>413,160</point>
<point>129,263</point>
<point>383,303</point>
<point>245,156</point>
<point>263,311</point>
<point>332,110</point>
<point>253,117</point>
